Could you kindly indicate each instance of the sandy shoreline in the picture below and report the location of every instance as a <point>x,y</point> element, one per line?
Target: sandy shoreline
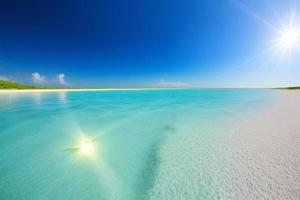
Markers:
<point>265,151</point>
<point>257,158</point>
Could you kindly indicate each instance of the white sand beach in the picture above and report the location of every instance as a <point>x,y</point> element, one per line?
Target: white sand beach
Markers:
<point>258,159</point>
<point>266,152</point>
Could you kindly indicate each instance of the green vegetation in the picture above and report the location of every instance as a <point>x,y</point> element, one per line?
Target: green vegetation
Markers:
<point>9,85</point>
<point>293,88</point>
<point>289,88</point>
<point>12,85</point>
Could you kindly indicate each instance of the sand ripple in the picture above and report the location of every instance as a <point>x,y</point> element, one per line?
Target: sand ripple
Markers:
<point>260,159</point>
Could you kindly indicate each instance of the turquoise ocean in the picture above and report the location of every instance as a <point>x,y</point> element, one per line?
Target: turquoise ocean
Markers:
<point>146,144</point>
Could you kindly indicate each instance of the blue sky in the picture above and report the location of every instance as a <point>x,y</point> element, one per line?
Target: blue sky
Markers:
<point>133,43</point>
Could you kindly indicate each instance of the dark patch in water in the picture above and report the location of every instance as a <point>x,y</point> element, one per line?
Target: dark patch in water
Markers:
<point>170,129</point>
<point>152,162</point>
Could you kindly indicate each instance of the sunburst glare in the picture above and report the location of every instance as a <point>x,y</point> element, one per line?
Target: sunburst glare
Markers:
<point>288,38</point>
<point>86,146</point>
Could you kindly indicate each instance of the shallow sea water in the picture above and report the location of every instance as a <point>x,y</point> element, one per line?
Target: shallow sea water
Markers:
<point>160,144</point>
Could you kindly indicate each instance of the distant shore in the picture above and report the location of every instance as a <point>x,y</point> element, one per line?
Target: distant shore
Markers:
<point>9,86</point>
<point>11,90</point>
<point>74,90</point>
<point>115,89</point>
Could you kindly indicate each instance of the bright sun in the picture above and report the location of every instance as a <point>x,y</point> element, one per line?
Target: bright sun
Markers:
<point>86,146</point>
<point>289,38</point>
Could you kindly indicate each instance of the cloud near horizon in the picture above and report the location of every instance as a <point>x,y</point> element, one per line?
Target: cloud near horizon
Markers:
<point>167,84</point>
<point>38,78</point>
<point>61,79</point>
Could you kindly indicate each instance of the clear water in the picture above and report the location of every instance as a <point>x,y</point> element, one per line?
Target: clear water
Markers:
<point>160,144</point>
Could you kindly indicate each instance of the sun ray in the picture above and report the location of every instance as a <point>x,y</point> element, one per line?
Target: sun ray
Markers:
<point>251,13</point>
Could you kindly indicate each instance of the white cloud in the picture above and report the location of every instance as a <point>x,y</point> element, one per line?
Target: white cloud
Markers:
<point>167,84</point>
<point>4,78</point>
<point>61,79</point>
<point>38,78</point>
